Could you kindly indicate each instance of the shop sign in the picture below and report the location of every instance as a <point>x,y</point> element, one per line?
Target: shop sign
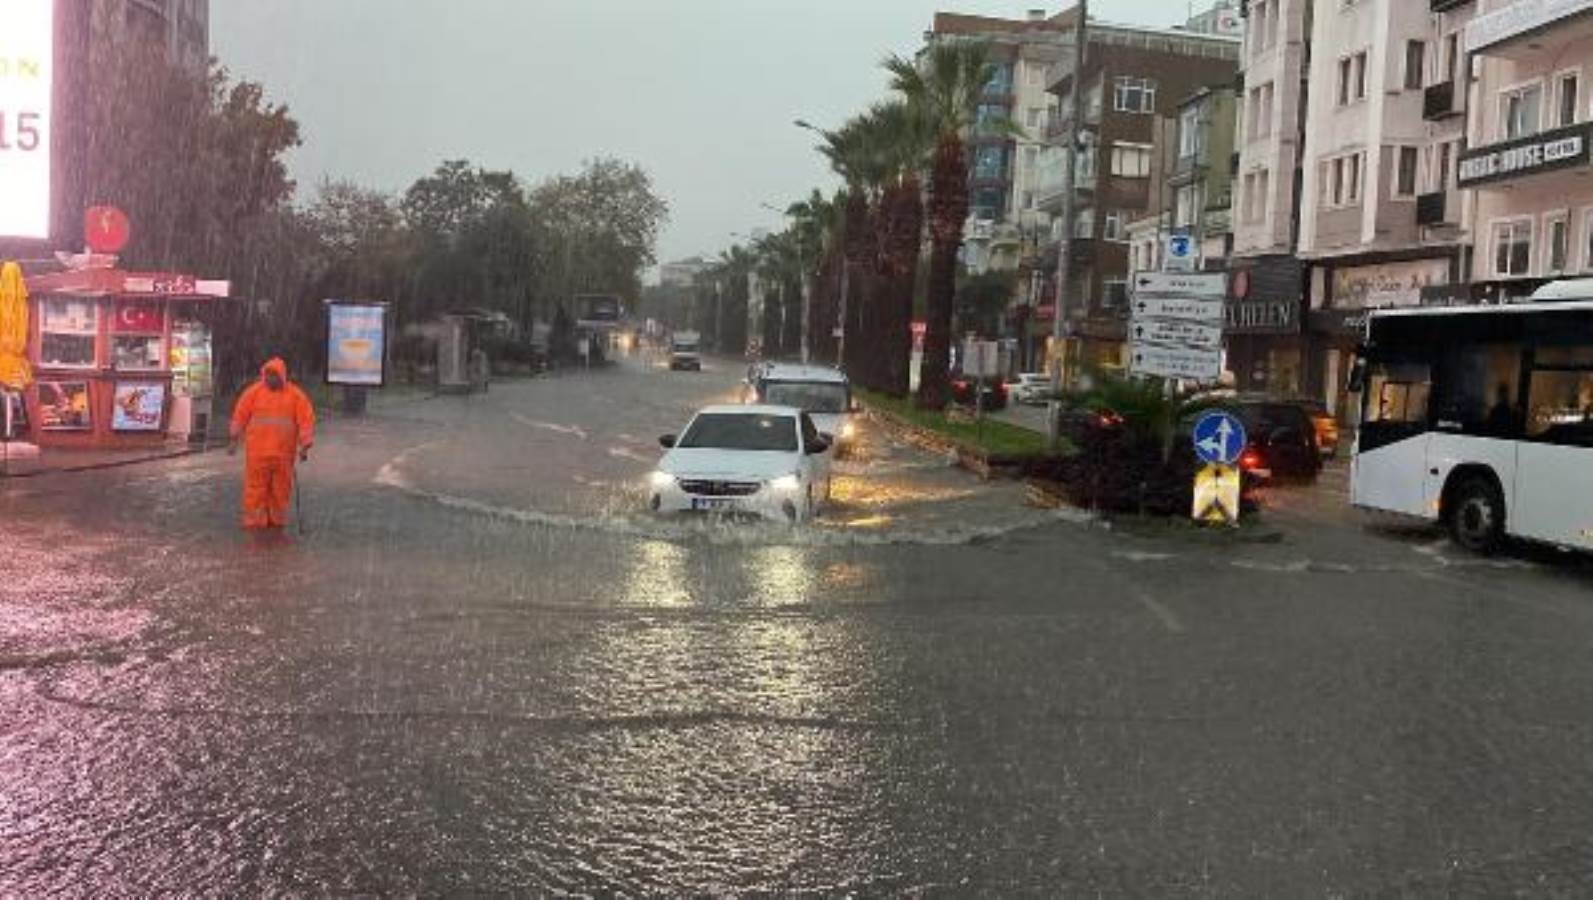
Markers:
<point>1262,317</point>
<point>27,50</point>
<point>1351,322</point>
<point>356,343</point>
<point>1390,284</point>
<point>1558,149</point>
<point>138,407</point>
<point>64,406</point>
<point>134,317</point>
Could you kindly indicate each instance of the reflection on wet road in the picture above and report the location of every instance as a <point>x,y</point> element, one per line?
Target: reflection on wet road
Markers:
<point>482,671</point>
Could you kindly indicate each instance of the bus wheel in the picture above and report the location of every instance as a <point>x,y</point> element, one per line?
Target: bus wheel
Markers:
<point>1476,515</point>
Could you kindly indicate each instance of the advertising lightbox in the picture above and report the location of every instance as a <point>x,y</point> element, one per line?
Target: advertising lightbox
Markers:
<point>27,50</point>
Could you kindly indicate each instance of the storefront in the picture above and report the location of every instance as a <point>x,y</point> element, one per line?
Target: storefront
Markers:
<point>121,360</point>
<point>1262,327</point>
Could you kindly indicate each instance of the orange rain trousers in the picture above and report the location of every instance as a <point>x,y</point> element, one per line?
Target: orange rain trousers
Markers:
<point>267,491</point>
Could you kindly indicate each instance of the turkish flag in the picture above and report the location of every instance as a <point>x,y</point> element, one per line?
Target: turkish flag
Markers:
<point>138,318</point>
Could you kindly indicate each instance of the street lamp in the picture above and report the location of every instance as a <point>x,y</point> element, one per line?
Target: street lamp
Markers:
<point>846,282</point>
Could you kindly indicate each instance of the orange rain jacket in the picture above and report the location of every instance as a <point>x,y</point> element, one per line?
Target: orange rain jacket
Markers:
<point>274,424</point>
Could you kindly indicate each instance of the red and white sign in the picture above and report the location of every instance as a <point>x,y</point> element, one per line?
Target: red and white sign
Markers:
<point>106,229</point>
<point>138,317</point>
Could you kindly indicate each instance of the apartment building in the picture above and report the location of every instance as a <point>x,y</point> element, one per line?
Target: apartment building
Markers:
<point>1197,171</point>
<point>1134,81</point>
<point>1004,168</point>
<point>1529,133</point>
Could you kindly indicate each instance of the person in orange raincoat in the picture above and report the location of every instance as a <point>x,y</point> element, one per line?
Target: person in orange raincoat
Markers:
<point>277,424</point>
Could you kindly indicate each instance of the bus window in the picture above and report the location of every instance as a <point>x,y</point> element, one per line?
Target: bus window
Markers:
<point>1398,393</point>
<point>1480,389</point>
<point>1560,396</point>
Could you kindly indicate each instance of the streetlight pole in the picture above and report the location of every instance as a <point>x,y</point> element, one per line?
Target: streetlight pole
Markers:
<point>846,283</point>
<point>1069,189</point>
<point>805,281</point>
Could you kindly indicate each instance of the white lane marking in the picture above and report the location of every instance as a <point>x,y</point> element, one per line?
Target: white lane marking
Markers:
<point>1160,610</point>
<point>574,431</point>
<point>390,476</point>
<point>627,453</point>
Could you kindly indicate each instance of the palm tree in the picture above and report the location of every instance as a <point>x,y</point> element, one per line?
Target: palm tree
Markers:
<point>900,139</point>
<point>815,226</point>
<point>851,156</point>
<point>945,85</point>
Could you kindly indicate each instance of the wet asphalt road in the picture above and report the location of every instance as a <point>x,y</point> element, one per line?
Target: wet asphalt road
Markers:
<point>481,671</point>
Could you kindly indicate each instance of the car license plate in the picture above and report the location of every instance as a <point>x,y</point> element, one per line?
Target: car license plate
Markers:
<point>700,504</point>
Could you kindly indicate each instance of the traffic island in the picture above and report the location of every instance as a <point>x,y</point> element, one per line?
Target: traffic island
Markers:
<point>989,449</point>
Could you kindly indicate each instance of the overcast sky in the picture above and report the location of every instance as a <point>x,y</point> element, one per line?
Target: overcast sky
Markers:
<point>700,92</point>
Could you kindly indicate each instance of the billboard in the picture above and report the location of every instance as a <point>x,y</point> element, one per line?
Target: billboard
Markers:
<point>138,407</point>
<point>356,343</point>
<point>27,51</point>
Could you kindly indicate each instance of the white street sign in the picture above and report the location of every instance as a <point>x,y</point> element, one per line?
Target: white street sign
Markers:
<point>981,359</point>
<point>1180,254</point>
<point>1177,333</point>
<point>27,78</point>
<point>1189,363</point>
<point>1212,286</point>
<point>1207,312</point>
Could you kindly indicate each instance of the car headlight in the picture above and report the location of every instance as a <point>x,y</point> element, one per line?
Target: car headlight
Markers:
<point>849,431</point>
<point>786,483</point>
<point>663,480</point>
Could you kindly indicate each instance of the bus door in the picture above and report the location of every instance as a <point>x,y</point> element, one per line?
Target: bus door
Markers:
<point>1554,478</point>
<point>1391,450</point>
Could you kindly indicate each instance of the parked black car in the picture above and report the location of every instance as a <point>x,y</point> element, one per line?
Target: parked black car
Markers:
<point>1282,439</point>
<point>964,389</point>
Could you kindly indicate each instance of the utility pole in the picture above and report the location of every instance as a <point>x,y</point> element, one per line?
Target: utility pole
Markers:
<point>1069,189</point>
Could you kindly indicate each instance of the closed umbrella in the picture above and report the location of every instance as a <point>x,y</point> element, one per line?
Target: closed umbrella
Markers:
<point>15,373</point>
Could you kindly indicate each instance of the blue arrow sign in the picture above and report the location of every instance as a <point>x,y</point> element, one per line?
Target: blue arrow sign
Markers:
<point>1219,438</point>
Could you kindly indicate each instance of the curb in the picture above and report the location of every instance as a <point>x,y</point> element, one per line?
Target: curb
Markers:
<point>974,461</point>
<point>109,464</point>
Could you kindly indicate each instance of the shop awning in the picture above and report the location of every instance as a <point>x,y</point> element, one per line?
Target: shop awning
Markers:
<point>117,283</point>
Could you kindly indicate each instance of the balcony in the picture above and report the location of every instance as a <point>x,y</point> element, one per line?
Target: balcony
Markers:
<point>1447,5</point>
<point>1517,30</point>
<point>1432,210</point>
<point>1438,102</point>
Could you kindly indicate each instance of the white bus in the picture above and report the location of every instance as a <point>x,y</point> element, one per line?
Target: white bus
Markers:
<point>1481,418</point>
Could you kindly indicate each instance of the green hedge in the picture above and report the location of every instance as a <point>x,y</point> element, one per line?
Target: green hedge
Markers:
<point>993,438</point>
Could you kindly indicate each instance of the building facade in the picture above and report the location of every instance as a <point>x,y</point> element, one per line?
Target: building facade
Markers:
<point>1529,131</point>
<point>1134,80</point>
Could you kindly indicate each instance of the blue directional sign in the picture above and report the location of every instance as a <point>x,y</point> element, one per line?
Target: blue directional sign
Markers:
<point>1219,438</point>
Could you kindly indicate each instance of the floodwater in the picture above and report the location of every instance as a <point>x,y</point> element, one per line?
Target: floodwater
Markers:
<point>481,669</point>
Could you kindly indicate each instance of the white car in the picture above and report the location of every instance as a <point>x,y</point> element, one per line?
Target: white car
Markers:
<point>766,461</point>
<point>823,393</point>
<point>1031,388</point>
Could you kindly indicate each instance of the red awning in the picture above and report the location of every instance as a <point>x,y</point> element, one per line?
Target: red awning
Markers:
<point>117,283</point>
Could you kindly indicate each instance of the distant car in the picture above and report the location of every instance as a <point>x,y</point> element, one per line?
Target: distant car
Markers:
<point>1031,389</point>
<point>964,391</point>
<point>685,351</point>
<point>769,462</point>
<point>1326,424</point>
<point>823,393</point>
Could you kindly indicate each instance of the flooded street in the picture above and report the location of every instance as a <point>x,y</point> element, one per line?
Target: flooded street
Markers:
<point>483,669</point>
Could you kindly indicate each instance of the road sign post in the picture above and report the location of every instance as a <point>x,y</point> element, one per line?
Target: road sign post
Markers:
<point>1219,440</point>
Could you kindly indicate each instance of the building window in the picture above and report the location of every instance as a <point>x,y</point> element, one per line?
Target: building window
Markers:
<point>1189,133</point>
<point>1114,226</point>
<point>1451,56</point>
<point>1261,111</point>
<point>1415,62</point>
<point>67,332</point>
<point>1587,240</point>
<point>1405,175</point>
<point>1031,117</point>
<point>1263,196</point>
<point>1446,157</point>
<point>1084,224</point>
<point>1131,160</point>
<point>1345,74</point>
<point>1341,181</point>
<point>1352,78</point>
<point>1114,294</point>
<point>1557,238</point>
<point>1036,76</point>
<point>1360,75</point>
<point>1187,207</point>
<point>1134,95</point>
<point>1512,248</point>
<point>1518,111</point>
<point>1028,199</point>
<point>1568,87</point>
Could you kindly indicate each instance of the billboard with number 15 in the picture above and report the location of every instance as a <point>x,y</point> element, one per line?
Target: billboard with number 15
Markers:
<point>27,51</point>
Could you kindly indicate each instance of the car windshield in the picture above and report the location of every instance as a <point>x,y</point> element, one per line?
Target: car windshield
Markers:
<point>741,431</point>
<point>808,396</point>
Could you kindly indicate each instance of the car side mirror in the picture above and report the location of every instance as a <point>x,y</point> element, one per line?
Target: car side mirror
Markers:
<point>854,406</point>
<point>668,441</point>
<point>821,445</point>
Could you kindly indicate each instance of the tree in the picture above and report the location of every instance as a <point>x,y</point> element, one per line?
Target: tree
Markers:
<point>898,136</point>
<point>945,86</point>
<point>599,229</point>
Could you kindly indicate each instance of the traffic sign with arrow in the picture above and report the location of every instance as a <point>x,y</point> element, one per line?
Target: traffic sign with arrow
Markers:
<point>1177,333</point>
<point>1207,312</point>
<point>1207,286</point>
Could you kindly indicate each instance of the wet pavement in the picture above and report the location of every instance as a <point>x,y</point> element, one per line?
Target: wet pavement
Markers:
<point>482,670</point>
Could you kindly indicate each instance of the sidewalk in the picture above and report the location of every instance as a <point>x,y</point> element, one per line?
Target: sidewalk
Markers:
<point>51,460</point>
